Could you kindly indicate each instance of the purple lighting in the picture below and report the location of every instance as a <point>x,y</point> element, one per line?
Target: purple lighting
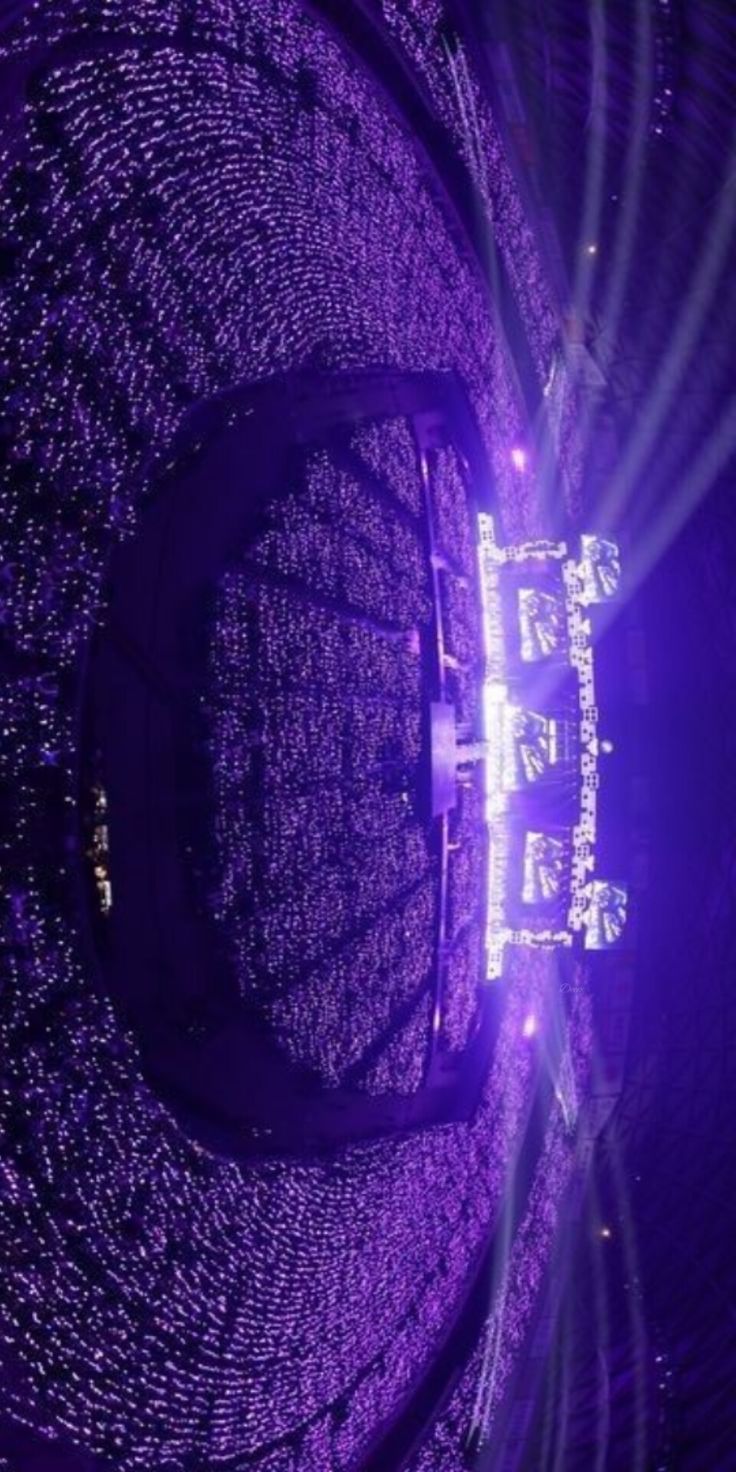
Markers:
<point>207,203</point>
<point>196,223</point>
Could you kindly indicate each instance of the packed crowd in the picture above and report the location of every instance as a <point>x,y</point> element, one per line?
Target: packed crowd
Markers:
<point>389,450</point>
<point>326,881</point>
<point>453,527</point>
<point>463,106</point>
<point>208,195</point>
<point>461,622</point>
<point>487,1375</point>
<point>327,884</point>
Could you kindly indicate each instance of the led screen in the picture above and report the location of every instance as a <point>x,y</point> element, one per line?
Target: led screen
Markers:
<point>543,868</point>
<point>600,568</point>
<point>605,920</point>
<point>541,624</point>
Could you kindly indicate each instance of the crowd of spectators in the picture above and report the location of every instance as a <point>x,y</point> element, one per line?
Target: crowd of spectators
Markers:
<point>327,884</point>
<point>470,1417</point>
<point>208,194</point>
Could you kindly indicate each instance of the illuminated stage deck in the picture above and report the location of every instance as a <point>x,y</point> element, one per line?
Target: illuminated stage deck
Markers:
<point>541,741</point>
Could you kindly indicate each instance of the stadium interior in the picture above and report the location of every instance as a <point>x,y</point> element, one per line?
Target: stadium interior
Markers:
<point>367,543</point>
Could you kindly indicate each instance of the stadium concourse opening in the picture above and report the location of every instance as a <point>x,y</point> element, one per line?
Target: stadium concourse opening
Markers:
<point>288,848</point>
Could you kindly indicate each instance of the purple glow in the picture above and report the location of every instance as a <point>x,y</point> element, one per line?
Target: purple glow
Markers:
<point>188,230</point>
